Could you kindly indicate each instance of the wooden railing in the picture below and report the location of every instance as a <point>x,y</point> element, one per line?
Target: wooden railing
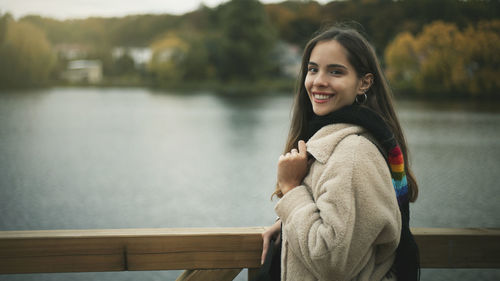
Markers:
<point>205,253</point>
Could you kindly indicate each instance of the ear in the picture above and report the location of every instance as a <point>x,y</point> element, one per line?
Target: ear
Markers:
<point>365,83</point>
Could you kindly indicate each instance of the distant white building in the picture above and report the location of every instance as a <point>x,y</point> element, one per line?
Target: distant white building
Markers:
<point>84,71</point>
<point>141,56</point>
<point>289,58</point>
<point>71,51</point>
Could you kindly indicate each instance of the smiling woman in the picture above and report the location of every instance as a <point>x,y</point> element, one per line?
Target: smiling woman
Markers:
<point>344,212</point>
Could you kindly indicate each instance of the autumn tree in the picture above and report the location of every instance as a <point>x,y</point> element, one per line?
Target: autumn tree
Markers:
<point>25,54</point>
<point>437,56</point>
<point>402,62</point>
<point>444,60</point>
<point>179,58</point>
<point>479,68</point>
<point>168,53</point>
<point>4,20</point>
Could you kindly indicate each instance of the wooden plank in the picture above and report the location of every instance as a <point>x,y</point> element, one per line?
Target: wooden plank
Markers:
<point>193,260</point>
<point>53,264</point>
<point>127,232</point>
<point>34,255</point>
<point>205,248</point>
<point>209,275</point>
<point>458,248</point>
<point>129,249</point>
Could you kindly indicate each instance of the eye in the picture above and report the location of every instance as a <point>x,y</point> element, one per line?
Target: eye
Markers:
<point>312,69</point>
<point>336,72</point>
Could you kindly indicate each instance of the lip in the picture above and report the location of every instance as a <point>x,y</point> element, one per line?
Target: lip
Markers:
<point>313,94</point>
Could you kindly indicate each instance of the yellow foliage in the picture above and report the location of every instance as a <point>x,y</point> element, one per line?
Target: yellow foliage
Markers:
<point>481,57</point>
<point>29,52</point>
<point>169,41</point>
<point>444,60</point>
<point>402,57</point>
<point>168,51</point>
<point>437,56</point>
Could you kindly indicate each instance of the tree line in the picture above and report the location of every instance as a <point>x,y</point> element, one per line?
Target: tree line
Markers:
<point>445,59</point>
<point>236,41</point>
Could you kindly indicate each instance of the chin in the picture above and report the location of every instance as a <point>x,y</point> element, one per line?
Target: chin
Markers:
<point>323,111</point>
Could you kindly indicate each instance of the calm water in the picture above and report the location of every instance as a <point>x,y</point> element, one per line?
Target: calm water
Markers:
<point>83,158</point>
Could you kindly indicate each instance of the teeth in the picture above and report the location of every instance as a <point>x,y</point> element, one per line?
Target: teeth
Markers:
<point>322,97</point>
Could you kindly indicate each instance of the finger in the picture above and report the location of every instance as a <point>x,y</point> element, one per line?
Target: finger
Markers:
<point>288,154</point>
<point>294,151</point>
<point>265,247</point>
<point>302,148</point>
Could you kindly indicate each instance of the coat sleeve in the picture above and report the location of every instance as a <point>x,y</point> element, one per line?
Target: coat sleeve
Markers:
<point>335,231</point>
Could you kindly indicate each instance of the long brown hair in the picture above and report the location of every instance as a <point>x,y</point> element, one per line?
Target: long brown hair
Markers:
<point>362,57</point>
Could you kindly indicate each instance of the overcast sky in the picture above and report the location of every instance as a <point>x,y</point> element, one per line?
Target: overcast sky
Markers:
<point>64,9</point>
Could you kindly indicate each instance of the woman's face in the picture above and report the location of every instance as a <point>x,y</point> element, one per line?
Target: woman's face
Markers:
<point>331,81</point>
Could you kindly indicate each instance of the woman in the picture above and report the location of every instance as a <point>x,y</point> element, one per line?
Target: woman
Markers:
<point>344,194</point>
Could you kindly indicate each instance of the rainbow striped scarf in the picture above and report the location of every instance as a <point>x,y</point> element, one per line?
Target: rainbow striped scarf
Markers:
<point>397,167</point>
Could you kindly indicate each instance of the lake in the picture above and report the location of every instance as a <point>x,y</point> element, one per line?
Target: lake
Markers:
<point>85,158</point>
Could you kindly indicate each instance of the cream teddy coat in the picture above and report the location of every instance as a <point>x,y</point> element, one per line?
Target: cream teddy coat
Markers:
<point>343,222</point>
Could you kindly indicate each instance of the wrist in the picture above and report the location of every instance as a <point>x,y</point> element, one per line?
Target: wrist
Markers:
<point>287,187</point>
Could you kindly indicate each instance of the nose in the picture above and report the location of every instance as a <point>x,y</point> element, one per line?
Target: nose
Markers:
<point>320,80</point>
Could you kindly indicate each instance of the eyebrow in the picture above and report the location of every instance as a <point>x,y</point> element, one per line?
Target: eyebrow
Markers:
<point>329,66</point>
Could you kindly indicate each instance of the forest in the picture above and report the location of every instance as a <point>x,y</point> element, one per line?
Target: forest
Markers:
<point>428,48</point>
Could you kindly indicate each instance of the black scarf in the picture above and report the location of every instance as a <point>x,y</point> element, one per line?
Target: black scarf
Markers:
<point>407,265</point>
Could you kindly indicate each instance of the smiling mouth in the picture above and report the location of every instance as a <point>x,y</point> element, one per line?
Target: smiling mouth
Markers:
<point>322,97</point>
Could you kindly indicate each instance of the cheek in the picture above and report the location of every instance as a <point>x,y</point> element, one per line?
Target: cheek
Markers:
<point>347,87</point>
<point>308,83</point>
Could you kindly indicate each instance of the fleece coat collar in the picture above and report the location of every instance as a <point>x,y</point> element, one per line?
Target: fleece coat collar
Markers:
<point>320,145</point>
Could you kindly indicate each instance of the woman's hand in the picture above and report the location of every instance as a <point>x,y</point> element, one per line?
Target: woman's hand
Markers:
<point>272,232</point>
<point>292,168</point>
